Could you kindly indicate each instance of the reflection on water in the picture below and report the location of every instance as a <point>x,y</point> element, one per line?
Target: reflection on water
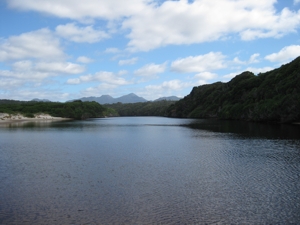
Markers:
<point>149,170</point>
<point>249,129</point>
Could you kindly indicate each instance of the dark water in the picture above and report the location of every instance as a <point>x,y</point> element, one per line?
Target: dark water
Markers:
<point>149,170</point>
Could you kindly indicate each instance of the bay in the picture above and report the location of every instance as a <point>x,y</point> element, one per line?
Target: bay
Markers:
<point>149,170</point>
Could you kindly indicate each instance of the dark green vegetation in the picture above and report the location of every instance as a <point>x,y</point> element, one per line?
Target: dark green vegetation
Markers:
<point>273,96</point>
<point>158,108</point>
<point>75,110</point>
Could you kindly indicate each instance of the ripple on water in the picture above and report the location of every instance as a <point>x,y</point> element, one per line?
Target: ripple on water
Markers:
<point>146,174</point>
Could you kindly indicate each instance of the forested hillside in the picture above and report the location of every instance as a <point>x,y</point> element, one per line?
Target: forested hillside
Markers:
<point>157,108</point>
<point>273,96</point>
<point>75,110</point>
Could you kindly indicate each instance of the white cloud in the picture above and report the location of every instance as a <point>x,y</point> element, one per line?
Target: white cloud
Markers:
<point>56,68</point>
<point>23,83</point>
<point>284,55</point>
<point>231,75</point>
<point>9,83</point>
<point>99,90</point>
<point>59,67</point>
<point>26,75</point>
<point>273,25</point>
<point>259,70</point>
<point>185,22</point>
<point>236,60</point>
<point>166,85</point>
<point>112,50</point>
<point>28,71</point>
<point>200,63</point>
<point>84,11</point>
<point>131,61</point>
<point>122,72</point>
<point>32,58</point>
<point>102,76</point>
<point>169,22</point>
<point>296,2</point>
<point>25,65</point>
<point>253,58</point>
<point>84,59</point>
<point>251,69</point>
<point>150,70</point>
<point>80,34</point>
<point>167,88</point>
<point>40,44</point>
<point>74,81</point>
<point>29,94</point>
<point>205,76</point>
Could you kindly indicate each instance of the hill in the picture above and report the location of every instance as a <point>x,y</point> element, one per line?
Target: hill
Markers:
<point>74,110</point>
<point>40,100</point>
<point>155,108</point>
<point>273,96</point>
<point>170,98</point>
<point>104,99</point>
<point>107,99</point>
<point>130,98</point>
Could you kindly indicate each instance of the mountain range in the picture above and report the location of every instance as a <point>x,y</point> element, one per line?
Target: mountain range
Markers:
<point>130,98</point>
<point>107,99</point>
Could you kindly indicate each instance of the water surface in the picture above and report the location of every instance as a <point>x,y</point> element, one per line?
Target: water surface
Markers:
<point>149,170</point>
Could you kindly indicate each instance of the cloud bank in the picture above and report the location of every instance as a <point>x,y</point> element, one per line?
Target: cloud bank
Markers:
<point>170,22</point>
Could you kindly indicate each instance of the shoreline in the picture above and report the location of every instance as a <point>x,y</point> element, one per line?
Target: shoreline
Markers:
<point>9,118</point>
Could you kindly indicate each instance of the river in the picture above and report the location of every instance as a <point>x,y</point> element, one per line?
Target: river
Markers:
<point>149,170</point>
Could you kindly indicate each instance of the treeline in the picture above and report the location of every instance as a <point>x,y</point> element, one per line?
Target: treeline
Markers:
<point>75,110</point>
<point>157,108</point>
<point>273,96</point>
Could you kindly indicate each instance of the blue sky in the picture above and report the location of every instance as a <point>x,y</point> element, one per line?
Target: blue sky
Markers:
<point>68,49</point>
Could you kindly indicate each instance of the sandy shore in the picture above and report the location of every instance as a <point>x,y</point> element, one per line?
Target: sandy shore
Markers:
<point>9,118</point>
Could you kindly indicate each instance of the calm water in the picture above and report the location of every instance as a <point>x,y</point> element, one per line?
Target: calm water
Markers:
<point>149,170</point>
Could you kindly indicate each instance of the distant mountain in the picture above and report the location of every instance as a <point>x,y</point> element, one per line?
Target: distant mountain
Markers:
<point>40,100</point>
<point>104,99</point>
<point>171,98</point>
<point>130,98</point>
<point>107,99</point>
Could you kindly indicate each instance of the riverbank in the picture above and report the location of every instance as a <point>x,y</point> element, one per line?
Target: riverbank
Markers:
<point>10,118</point>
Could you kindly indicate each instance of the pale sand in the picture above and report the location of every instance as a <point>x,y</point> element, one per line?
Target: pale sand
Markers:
<point>9,118</point>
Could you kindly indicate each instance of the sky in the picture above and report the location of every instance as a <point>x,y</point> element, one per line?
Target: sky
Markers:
<point>69,49</point>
